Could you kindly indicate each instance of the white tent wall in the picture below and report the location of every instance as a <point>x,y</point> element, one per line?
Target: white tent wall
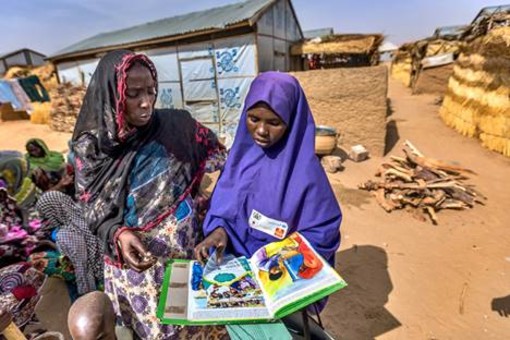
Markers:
<point>69,73</point>
<point>86,69</point>
<point>167,66</point>
<point>77,72</point>
<point>209,79</point>
<point>199,93</point>
<point>293,33</point>
<point>265,52</point>
<point>236,67</point>
<point>277,29</point>
<point>215,77</point>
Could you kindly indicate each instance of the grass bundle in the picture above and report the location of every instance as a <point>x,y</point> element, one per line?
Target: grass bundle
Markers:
<point>401,70</point>
<point>40,113</point>
<point>477,102</point>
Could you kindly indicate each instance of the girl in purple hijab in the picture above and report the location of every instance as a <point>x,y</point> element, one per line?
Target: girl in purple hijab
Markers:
<point>272,184</point>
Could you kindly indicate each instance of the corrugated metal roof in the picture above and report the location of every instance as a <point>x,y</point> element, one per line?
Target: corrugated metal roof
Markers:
<point>21,50</point>
<point>219,17</point>
<point>450,31</point>
<point>490,10</point>
<point>320,32</point>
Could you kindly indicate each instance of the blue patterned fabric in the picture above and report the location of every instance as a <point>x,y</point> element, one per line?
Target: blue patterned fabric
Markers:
<point>149,163</point>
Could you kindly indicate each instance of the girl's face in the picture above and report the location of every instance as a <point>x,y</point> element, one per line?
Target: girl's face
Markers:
<point>140,95</point>
<point>264,125</point>
<point>35,150</point>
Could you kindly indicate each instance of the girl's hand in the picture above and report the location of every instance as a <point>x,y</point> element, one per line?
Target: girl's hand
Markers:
<point>218,240</point>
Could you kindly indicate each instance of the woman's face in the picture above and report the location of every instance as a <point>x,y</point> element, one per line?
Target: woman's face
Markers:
<point>140,95</point>
<point>265,126</point>
<point>35,150</point>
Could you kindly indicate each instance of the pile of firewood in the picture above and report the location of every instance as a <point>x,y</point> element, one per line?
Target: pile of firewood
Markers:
<point>65,105</point>
<point>422,186</point>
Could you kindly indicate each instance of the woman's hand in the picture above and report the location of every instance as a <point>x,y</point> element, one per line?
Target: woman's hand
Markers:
<point>217,239</point>
<point>66,180</point>
<point>134,253</point>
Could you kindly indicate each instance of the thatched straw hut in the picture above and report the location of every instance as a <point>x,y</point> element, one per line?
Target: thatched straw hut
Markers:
<point>487,19</point>
<point>402,64</point>
<point>342,50</point>
<point>425,65</point>
<point>477,102</point>
<point>434,66</point>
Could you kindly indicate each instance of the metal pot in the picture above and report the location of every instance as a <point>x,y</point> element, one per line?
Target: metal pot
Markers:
<point>325,139</point>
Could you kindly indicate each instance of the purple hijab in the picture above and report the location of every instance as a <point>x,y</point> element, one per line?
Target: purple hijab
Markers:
<point>285,182</point>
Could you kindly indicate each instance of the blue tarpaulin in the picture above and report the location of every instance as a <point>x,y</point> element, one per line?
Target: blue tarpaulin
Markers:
<point>7,95</point>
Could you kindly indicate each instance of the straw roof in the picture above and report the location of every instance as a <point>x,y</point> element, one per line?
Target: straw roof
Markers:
<point>340,44</point>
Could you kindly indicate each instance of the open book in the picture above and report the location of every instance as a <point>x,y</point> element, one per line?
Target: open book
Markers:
<point>279,279</point>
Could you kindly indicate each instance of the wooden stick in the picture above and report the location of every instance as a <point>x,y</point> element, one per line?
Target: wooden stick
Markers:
<point>433,163</point>
<point>369,185</point>
<point>398,168</point>
<point>462,298</point>
<point>12,332</point>
<point>398,174</point>
<point>432,214</point>
<point>400,160</point>
<point>381,199</point>
<point>413,148</point>
<point>437,196</point>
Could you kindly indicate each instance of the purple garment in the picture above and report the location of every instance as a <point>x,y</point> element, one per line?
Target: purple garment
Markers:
<point>285,182</point>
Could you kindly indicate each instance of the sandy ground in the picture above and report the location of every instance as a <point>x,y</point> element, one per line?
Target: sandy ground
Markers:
<point>407,279</point>
<point>14,135</point>
<point>413,280</point>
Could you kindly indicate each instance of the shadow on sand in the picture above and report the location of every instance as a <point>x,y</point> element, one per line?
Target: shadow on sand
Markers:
<point>357,311</point>
<point>501,305</point>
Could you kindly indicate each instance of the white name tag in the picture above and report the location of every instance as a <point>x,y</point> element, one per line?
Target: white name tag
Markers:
<point>268,225</point>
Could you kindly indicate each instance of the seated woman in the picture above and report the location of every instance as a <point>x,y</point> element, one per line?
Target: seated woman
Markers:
<point>14,173</point>
<point>40,156</point>
<point>48,169</point>
<point>19,223</point>
<point>137,172</point>
<point>272,172</point>
<point>74,240</point>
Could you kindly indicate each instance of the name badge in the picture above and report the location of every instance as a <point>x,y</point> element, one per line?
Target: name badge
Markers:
<point>268,225</point>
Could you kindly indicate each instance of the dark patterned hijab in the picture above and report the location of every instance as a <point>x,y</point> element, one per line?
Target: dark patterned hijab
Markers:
<point>105,148</point>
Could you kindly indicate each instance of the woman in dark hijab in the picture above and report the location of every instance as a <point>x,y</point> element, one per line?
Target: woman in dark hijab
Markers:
<point>137,172</point>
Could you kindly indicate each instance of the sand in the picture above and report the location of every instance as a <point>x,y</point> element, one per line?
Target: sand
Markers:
<point>407,279</point>
<point>413,280</point>
<point>14,135</point>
